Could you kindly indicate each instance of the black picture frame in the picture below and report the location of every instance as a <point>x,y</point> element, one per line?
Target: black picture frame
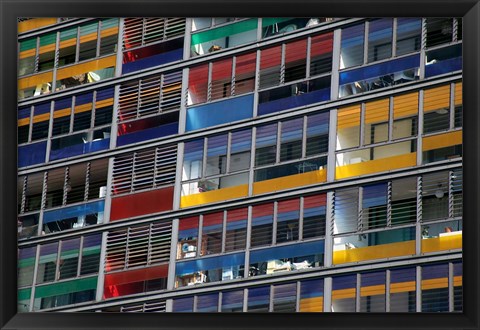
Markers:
<point>11,9</point>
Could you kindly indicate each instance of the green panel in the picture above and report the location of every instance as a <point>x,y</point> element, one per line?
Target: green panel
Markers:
<point>88,29</point>
<point>224,31</point>
<point>68,34</point>
<point>26,262</point>
<point>24,294</point>
<point>57,289</point>
<point>48,39</point>
<point>91,250</point>
<point>28,44</point>
<point>48,258</point>
<point>266,21</point>
<point>69,254</point>
<point>109,23</point>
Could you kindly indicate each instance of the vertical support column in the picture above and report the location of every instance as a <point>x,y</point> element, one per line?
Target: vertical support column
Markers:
<point>248,244</point>
<point>390,119</point>
<point>252,162</point>
<point>422,49</point>
<point>387,291</point>
<point>308,60</point>
<point>394,39</point>
<point>101,267</point>
<point>418,224</point>
<point>297,300</point>
<point>182,116</point>
<point>327,294</point>
<point>300,220</point>
<point>329,230</point>
<point>34,281</point>
<point>257,85</point>
<point>452,106</point>
<point>420,128</point>
<point>365,44</point>
<point>245,300</point>
<point>272,292</point>
<point>119,59</point>
<point>187,39</point>
<point>357,295</point>
<point>419,289</point>
<point>274,228</point>
<point>332,144</point>
<point>224,230</point>
<point>450,288</point>
<point>173,255</point>
<point>335,79</point>
<point>169,305</point>
<point>177,191</point>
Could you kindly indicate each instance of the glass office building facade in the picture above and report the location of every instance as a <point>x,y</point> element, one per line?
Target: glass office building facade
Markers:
<point>240,165</point>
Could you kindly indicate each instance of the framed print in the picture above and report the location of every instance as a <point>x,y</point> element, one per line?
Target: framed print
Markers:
<point>267,170</point>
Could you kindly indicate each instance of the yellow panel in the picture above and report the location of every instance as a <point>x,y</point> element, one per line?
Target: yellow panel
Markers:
<point>374,252</point>
<point>27,53</point>
<point>88,37</point>
<point>442,140</point>
<point>62,113</point>
<point>109,32</point>
<point>35,80</point>
<point>103,103</point>
<point>374,166</point>
<point>402,287</point>
<point>348,117</point>
<point>311,304</point>
<point>290,181</point>
<point>35,24</point>
<point>83,107</point>
<point>372,290</point>
<point>94,65</point>
<point>42,117</point>
<point>377,111</point>
<point>343,293</point>
<point>46,49</point>
<point>458,93</point>
<point>435,283</point>
<point>436,98</point>
<point>457,281</point>
<point>405,105</point>
<point>68,43</point>
<point>442,243</point>
<point>214,196</point>
<point>23,122</point>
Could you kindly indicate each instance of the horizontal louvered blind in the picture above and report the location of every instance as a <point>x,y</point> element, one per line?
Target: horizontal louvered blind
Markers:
<point>150,95</point>
<point>144,169</point>
<point>149,307</point>
<point>143,31</point>
<point>138,246</point>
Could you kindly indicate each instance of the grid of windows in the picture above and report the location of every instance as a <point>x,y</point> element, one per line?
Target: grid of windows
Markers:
<point>240,179</point>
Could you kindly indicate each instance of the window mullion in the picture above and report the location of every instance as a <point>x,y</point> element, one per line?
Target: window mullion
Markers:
<point>365,43</point>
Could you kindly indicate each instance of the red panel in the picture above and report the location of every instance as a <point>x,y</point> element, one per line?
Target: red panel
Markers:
<point>212,219</point>
<point>141,203</point>
<point>198,83</point>
<point>137,275</point>
<point>245,64</point>
<point>296,51</point>
<point>188,223</point>
<point>222,70</point>
<point>314,201</point>
<point>322,44</point>
<point>289,205</point>
<point>237,214</point>
<point>122,290</point>
<point>262,210</point>
<point>271,57</point>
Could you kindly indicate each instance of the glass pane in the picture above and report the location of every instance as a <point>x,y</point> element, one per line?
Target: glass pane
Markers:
<point>216,155</point>
<point>439,31</point>
<point>291,139</point>
<point>295,60</point>
<point>192,161</point>
<point>240,150</point>
<point>266,145</point>
<point>348,127</point>
<point>212,233</point>
<point>376,121</point>
<point>288,214</point>
<point>409,32</point>
<point>262,224</point>
<point>380,39</point>
<point>351,53</point>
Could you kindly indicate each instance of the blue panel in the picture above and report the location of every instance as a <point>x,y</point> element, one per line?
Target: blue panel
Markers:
<point>84,98</point>
<point>92,240</point>
<point>105,94</point>
<point>41,108</point>
<point>263,220</point>
<point>190,267</point>
<point>398,275</point>
<point>232,299</point>
<point>446,66</point>
<point>381,69</point>
<point>236,224</point>
<point>259,293</point>
<point>80,149</point>
<point>188,233</point>
<point>457,269</point>
<point>23,112</point>
<point>310,212</point>
<point>207,302</point>
<point>63,103</point>
<point>311,288</point>
<point>285,290</point>
<point>32,154</point>
<point>373,278</point>
<point>289,251</point>
<point>344,282</point>
<point>434,271</point>
<point>219,112</point>
<point>155,60</point>
<point>148,134</point>
<point>285,216</point>
<point>183,305</point>
<point>73,211</point>
<point>294,101</point>
<point>375,195</point>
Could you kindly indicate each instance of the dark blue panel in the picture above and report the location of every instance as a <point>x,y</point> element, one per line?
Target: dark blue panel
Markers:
<point>32,154</point>
<point>344,282</point>
<point>73,211</point>
<point>39,109</point>
<point>148,134</point>
<point>289,251</point>
<point>155,60</point>
<point>374,195</point>
<point>80,149</point>
<point>381,69</point>
<point>263,220</point>
<point>193,232</point>
<point>373,278</point>
<point>190,267</point>
<point>434,271</point>
<point>294,101</point>
<point>105,94</point>
<point>219,112</point>
<point>457,269</point>
<point>183,305</point>
<point>312,288</point>
<point>232,299</point>
<point>398,275</point>
<point>23,112</point>
<point>92,240</point>
<point>207,302</point>
<point>63,103</point>
<point>310,212</point>
<point>285,290</point>
<point>236,224</point>
<point>84,98</point>
<point>441,67</point>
